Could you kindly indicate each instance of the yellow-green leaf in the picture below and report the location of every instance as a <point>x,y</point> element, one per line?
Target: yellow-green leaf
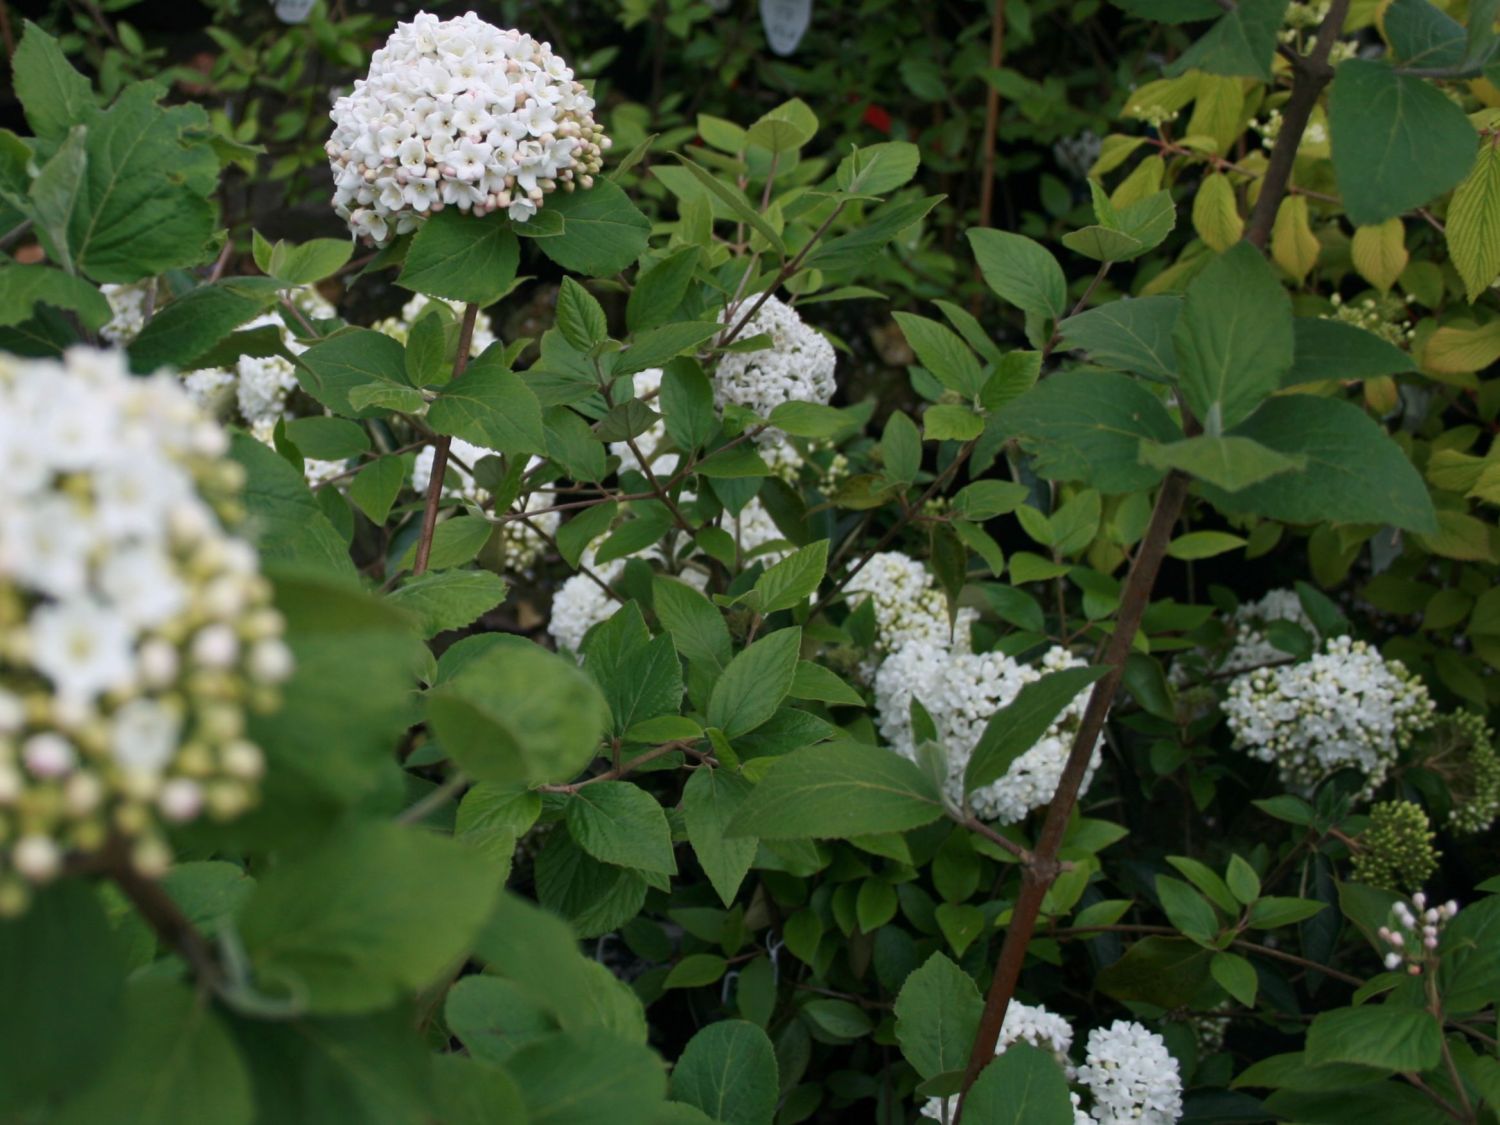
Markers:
<point>1293,244</point>
<point>1379,253</point>
<point>1216,213</point>
<point>1203,544</point>
<point>1474,222</point>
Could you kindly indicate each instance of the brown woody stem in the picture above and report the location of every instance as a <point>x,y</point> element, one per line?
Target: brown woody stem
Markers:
<point>440,449</point>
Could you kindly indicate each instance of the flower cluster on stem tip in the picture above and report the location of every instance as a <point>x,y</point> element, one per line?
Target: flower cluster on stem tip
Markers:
<point>459,113</point>
<point>1345,707</point>
<point>1128,1075</point>
<point>1395,851</point>
<point>798,366</point>
<point>135,632</point>
<point>1414,933</point>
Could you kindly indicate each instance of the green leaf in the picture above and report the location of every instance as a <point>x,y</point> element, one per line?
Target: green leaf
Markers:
<point>1269,913</point>
<point>1354,473</point>
<point>145,204</point>
<point>1169,972</point>
<point>326,438</point>
<point>54,196</point>
<point>288,523</point>
<point>809,419</point>
<point>176,1062</point>
<point>1473,228</point>
<point>580,317</point>
<point>654,347</point>
<point>1021,271</point>
<point>986,499</point>
<point>865,242</point>
<point>755,683</point>
<point>588,1077</point>
<point>22,288</point>
<point>493,1018</point>
<point>736,203</point>
<point>1398,142</point>
<point>660,289</point>
<point>1470,972</point>
<point>1133,335</point>
<point>1233,339</point>
<point>1019,725</point>
<point>813,681</point>
<point>1331,349</point>
<point>376,911</point>
<point>490,405</point>
<point>639,675</point>
<point>1235,975</point>
<point>901,448</point>
<point>575,535</point>
<point>709,801</point>
<point>937,1015</point>
<point>455,542</point>
<point>512,711</point>
<point>878,169</point>
<point>372,1070</point>
<point>1203,544</point>
<point>360,357</point>
<point>1231,463</point>
<point>951,422</point>
<point>450,599</point>
<point>729,1071</point>
<point>53,94</point>
<point>620,823</point>
<point>841,789</point>
<point>696,970</point>
<point>462,256</point>
<point>1187,909</point>
<point>794,578</point>
<point>1240,44</point>
<point>1023,1086</point>
<point>943,352</point>
<point>310,261</point>
<point>1391,1036</point>
<point>1088,426</point>
<point>603,231</point>
<point>193,323</point>
<point>696,626</point>
<point>62,973</point>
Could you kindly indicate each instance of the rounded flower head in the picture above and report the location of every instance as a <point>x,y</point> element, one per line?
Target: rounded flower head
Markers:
<point>909,607</point>
<point>459,113</point>
<point>134,631</point>
<point>1346,707</point>
<point>581,602</point>
<point>1131,1076</point>
<point>1461,751</point>
<point>1395,851</point>
<point>960,691</point>
<point>797,365</point>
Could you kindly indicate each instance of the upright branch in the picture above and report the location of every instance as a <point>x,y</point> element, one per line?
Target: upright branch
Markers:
<point>1310,75</point>
<point>440,448</point>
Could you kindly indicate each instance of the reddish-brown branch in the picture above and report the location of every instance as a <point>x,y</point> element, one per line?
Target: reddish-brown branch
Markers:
<point>440,449</point>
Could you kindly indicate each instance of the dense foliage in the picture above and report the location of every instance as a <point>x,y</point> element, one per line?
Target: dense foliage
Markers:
<point>601,573</point>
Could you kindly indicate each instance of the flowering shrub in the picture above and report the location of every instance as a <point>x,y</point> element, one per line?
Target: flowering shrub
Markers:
<point>631,677</point>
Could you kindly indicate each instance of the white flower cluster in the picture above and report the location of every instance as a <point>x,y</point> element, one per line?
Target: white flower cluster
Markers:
<point>1128,1073</point>
<point>1347,706</point>
<point>580,603</point>
<point>127,311</point>
<point>961,690</point>
<point>521,544</point>
<point>1131,1076</point>
<point>399,328</point>
<point>909,607</point>
<point>459,113</point>
<point>755,532</point>
<point>1415,933</point>
<point>134,631</point>
<point>798,365</point>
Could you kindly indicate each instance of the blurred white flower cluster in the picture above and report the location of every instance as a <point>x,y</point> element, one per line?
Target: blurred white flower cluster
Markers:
<point>797,366</point>
<point>1128,1073</point>
<point>459,113</point>
<point>1345,707</point>
<point>128,305</point>
<point>399,328</point>
<point>134,630</point>
<point>521,545</point>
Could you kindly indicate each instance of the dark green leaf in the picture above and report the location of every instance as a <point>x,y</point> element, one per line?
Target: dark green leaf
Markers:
<point>755,683</point>
<point>728,1070</point>
<point>463,256</point>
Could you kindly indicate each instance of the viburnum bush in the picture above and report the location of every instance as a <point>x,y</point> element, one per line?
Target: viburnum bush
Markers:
<point>646,716</point>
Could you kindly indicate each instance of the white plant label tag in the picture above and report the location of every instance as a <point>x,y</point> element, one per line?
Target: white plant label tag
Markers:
<point>293,11</point>
<point>785,22</point>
